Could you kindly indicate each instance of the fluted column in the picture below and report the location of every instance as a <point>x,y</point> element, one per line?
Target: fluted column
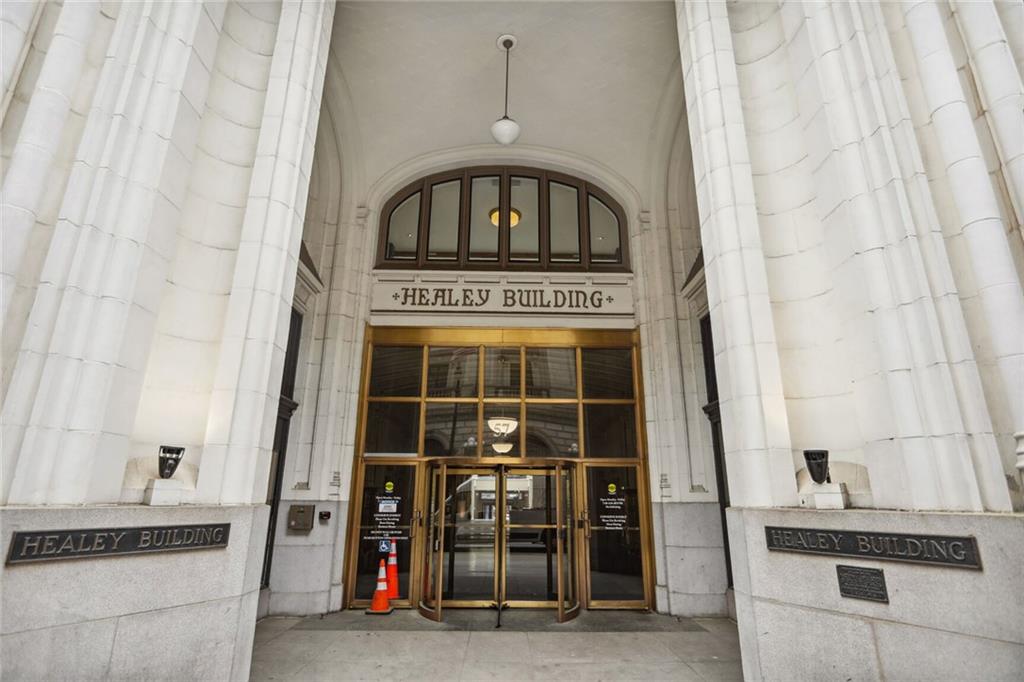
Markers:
<point>18,20</point>
<point>25,181</point>
<point>67,417</point>
<point>755,425</point>
<point>934,462</point>
<point>981,227</point>
<point>1002,91</point>
<point>242,418</point>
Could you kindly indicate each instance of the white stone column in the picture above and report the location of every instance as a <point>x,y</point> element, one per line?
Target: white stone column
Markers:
<point>72,396</point>
<point>1002,92</point>
<point>754,421</point>
<point>919,453</point>
<point>36,148</point>
<point>994,271</point>
<point>780,99</point>
<point>240,429</point>
<point>18,21</point>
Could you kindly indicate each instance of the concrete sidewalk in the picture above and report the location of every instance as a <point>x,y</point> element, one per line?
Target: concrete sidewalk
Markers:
<point>597,646</point>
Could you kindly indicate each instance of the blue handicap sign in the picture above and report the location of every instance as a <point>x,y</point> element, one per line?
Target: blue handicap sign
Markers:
<point>384,546</point>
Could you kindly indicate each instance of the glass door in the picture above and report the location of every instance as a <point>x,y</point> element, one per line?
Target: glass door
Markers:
<point>386,516</point>
<point>470,550</point>
<point>615,560</point>
<point>530,568</point>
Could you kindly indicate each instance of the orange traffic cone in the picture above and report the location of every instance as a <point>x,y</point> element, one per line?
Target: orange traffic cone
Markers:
<point>393,571</point>
<point>380,604</point>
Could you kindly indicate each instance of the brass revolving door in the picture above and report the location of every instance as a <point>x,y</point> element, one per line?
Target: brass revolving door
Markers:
<point>500,537</point>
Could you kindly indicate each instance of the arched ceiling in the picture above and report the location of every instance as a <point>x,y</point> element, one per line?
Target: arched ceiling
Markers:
<point>587,79</point>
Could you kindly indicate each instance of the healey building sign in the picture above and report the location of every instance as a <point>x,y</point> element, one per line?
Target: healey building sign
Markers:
<point>943,550</point>
<point>51,545</point>
<point>503,297</point>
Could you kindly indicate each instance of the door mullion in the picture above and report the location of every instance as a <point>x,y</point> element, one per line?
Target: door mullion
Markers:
<point>583,542</point>
<point>439,577</point>
<point>561,537</point>
<point>499,535</point>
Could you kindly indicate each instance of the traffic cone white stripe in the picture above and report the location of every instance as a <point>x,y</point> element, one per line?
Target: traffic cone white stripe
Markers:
<point>393,570</point>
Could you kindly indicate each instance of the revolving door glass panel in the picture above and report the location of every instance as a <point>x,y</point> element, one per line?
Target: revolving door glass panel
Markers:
<point>468,559</point>
<point>531,543</point>
<point>499,538</point>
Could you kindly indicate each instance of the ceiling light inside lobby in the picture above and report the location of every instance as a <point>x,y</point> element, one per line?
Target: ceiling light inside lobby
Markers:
<point>505,130</point>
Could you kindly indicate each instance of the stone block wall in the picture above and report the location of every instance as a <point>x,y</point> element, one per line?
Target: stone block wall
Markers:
<point>691,570</point>
<point>941,623</point>
<point>165,615</point>
<point>306,566</point>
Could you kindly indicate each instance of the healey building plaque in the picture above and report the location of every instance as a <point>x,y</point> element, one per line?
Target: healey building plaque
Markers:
<point>941,550</point>
<point>51,545</point>
<point>532,298</point>
<point>859,582</point>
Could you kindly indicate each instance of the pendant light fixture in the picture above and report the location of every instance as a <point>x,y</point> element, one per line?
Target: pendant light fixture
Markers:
<point>505,130</point>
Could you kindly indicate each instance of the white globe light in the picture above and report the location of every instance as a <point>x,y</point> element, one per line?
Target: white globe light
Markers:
<point>505,131</point>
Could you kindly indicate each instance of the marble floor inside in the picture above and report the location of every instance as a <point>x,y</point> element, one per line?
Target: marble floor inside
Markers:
<point>599,645</point>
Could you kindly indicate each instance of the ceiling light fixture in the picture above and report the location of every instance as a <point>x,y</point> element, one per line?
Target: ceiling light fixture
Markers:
<point>513,218</point>
<point>502,427</point>
<point>505,130</point>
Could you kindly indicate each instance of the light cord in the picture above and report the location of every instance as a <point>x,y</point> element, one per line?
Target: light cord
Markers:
<point>507,51</point>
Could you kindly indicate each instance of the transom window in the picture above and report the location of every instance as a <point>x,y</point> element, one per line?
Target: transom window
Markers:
<point>508,400</point>
<point>503,218</point>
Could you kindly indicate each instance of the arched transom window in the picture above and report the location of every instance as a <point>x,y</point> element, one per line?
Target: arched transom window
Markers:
<point>503,218</point>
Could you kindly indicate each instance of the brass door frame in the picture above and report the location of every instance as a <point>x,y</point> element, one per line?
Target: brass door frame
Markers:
<point>496,337</point>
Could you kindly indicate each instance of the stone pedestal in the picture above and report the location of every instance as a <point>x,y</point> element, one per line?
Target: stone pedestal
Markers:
<point>203,618</point>
<point>941,622</point>
<point>830,496</point>
<point>162,492</point>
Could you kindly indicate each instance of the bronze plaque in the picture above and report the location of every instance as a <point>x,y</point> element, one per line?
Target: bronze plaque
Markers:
<point>85,543</point>
<point>859,582</point>
<point>937,550</point>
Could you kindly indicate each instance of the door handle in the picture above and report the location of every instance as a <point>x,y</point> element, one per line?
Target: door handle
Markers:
<point>417,521</point>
